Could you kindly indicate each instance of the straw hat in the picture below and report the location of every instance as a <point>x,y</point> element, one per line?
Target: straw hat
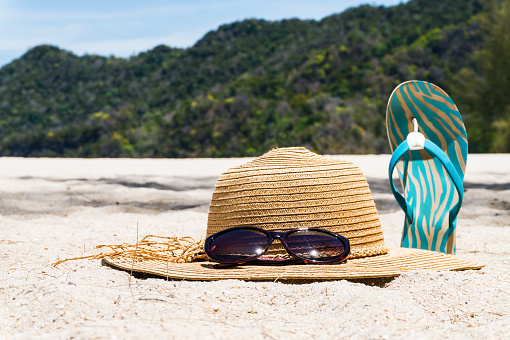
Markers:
<point>291,188</point>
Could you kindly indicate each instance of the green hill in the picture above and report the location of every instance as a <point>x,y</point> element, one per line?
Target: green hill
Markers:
<point>253,85</point>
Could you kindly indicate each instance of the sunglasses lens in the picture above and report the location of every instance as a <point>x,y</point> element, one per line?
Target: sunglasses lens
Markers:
<point>315,245</point>
<point>238,245</point>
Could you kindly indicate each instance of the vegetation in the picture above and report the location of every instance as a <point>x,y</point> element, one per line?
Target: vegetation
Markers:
<point>253,85</point>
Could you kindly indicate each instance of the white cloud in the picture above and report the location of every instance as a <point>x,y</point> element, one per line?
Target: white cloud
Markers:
<point>106,47</point>
<point>52,15</point>
<point>129,47</point>
<point>123,28</point>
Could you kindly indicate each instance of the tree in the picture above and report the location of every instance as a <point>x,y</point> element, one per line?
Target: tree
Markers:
<point>496,70</point>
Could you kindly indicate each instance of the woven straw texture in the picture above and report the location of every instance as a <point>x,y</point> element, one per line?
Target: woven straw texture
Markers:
<point>291,188</point>
<point>285,189</point>
<point>396,262</point>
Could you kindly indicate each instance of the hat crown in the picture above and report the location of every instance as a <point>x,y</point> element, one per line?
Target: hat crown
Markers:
<point>289,188</point>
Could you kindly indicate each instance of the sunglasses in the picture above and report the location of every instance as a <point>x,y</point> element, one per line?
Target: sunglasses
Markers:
<point>242,244</point>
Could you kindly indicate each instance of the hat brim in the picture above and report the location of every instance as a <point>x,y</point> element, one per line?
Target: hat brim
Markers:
<point>396,262</point>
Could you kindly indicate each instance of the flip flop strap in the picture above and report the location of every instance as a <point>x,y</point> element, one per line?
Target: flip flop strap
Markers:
<point>444,159</point>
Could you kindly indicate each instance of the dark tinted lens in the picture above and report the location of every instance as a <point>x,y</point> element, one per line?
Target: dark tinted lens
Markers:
<point>238,245</point>
<point>315,245</point>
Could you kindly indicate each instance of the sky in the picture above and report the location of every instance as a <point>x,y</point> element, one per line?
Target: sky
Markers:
<point>123,28</point>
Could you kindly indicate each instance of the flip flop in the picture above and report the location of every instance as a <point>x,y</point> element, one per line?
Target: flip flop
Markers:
<point>429,144</point>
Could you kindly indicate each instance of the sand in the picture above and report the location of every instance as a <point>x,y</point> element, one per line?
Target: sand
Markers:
<point>52,209</point>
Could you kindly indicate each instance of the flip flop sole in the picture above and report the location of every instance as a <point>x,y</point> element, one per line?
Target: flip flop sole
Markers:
<point>427,186</point>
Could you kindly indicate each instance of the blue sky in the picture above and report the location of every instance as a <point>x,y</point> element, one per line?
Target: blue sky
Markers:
<point>127,27</point>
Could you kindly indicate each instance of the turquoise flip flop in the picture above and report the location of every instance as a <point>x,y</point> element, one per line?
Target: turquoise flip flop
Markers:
<point>429,144</point>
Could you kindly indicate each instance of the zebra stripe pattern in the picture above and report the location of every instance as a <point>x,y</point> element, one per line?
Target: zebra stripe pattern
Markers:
<point>427,186</point>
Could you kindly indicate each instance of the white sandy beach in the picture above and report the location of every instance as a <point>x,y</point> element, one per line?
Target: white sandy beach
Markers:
<point>52,209</point>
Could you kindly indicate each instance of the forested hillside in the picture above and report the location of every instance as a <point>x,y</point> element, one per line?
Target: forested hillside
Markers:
<point>253,85</point>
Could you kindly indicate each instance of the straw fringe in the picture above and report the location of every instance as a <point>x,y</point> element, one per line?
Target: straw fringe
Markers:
<point>152,247</point>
